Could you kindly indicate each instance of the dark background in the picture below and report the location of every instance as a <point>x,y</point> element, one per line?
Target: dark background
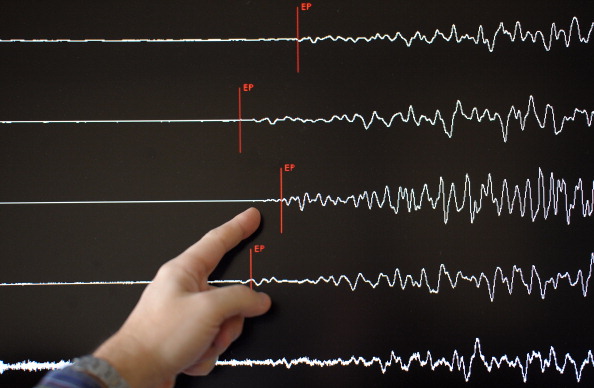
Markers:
<point>135,161</point>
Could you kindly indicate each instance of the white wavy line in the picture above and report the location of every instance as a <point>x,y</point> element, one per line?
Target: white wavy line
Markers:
<point>548,200</point>
<point>32,366</point>
<point>452,36</point>
<point>456,363</point>
<point>397,279</point>
<point>436,119</point>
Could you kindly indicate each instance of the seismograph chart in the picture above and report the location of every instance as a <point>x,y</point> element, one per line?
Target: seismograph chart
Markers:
<point>424,173</point>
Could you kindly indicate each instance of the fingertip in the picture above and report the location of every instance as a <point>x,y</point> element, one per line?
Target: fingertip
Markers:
<point>250,220</point>
<point>202,367</point>
<point>259,304</point>
<point>265,301</point>
<point>252,210</point>
<point>234,300</point>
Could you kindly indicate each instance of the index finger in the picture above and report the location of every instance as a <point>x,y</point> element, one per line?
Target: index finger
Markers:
<point>202,257</point>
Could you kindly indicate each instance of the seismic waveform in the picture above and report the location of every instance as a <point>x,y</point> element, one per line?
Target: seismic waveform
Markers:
<point>546,197</point>
<point>516,34</point>
<point>548,360</point>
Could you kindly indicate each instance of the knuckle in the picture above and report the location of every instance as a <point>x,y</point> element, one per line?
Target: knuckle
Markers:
<point>165,271</point>
<point>173,271</point>
<point>216,237</point>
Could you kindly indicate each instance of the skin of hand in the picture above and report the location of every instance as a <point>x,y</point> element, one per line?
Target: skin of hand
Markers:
<point>181,323</point>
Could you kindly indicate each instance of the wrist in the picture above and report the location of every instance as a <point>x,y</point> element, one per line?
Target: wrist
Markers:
<point>99,370</point>
<point>134,363</point>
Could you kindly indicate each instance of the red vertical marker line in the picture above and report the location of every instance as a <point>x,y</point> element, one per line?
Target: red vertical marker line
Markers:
<point>281,200</point>
<point>297,35</point>
<point>251,270</point>
<point>239,122</point>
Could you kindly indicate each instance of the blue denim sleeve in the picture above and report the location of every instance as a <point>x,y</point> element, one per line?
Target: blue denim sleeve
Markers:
<point>69,378</point>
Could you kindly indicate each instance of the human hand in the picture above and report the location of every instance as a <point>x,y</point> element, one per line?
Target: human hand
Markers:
<point>181,323</point>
